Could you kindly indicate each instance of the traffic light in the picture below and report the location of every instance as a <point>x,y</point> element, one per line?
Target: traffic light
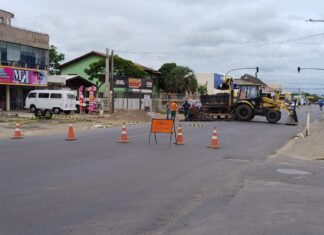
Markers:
<point>257,69</point>
<point>298,69</point>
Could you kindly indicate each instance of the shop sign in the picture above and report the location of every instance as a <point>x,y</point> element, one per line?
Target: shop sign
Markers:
<point>22,76</point>
<point>134,83</point>
<point>149,84</point>
<point>120,82</point>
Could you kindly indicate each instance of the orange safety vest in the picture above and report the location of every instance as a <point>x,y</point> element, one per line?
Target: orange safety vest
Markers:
<point>173,106</point>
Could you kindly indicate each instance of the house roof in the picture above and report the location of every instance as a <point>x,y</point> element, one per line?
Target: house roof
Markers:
<point>12,15</point>
<point>254,80</point>
<point>70,78</point>
<point>62,79</point>
<point>82,57</point>
<point>103,56</point>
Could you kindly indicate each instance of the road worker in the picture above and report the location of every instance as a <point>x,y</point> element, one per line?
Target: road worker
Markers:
<point>173,109</point>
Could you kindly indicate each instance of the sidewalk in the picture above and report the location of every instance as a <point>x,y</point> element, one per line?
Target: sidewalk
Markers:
<point>307,148</point>
<point>30,126</point>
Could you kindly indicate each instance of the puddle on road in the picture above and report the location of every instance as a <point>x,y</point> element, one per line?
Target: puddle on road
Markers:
<point>293,172</point>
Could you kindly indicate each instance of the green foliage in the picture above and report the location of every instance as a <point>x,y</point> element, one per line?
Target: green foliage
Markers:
<point>55,58</point>
<point>122,67</point>
<point>127,68</point>
<point>165,71</point>
<point>181,80</point>
<point>96,72</point>
<point>202,89</point>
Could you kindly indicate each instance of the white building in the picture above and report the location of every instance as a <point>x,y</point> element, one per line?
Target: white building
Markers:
<point>213,80</point>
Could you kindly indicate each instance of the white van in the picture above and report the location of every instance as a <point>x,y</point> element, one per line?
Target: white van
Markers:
<point>56,100</point>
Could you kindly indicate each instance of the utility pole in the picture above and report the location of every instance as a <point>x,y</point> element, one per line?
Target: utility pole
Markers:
<point>107,93</point>
<point>112,82</point>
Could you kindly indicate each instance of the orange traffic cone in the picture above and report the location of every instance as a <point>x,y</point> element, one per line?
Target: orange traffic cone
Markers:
<point>17,134</point>
<point>214,140</point>
<point>123,135</point>
<point>179,137</point>
<point>70,135</point>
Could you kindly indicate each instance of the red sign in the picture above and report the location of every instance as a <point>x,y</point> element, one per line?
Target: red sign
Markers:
<point>134,83</point>
<point>162,126</point>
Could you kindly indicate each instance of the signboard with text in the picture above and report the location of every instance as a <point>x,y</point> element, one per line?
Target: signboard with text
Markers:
<point>133,83</point>
<point>22,76</point>
<point>166,126</point>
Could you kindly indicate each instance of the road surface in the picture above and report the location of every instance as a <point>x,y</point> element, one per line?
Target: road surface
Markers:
<point>97,186</point>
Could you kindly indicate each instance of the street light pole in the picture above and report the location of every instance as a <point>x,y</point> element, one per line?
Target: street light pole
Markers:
<point>311,20</point>
<point>299,69</point>
<point>256,69</point>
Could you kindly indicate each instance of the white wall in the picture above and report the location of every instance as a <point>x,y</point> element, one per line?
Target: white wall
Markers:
<point>202,78</point>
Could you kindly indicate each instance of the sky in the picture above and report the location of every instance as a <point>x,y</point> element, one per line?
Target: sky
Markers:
<point>209,36</point>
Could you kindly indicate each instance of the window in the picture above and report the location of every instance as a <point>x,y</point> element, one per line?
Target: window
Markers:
<point>56,96</point>
<point>71,97</point>
<point>1,20</point>
<point>249,92</point>
<point>23,55</point>
<point>43,95</point>
<point>32,95</point>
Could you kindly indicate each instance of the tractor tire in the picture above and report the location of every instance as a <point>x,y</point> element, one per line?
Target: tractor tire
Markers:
<point>48,114</point>
<point>38,113</point>
<point>244,112</point>
<point>273,116</point>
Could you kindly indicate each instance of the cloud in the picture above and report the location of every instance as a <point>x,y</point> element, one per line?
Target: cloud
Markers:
<point>207,35</point>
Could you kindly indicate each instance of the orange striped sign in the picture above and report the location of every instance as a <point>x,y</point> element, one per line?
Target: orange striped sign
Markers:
<point>162,126</point>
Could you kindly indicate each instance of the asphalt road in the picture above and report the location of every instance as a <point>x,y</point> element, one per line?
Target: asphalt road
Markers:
<point>97,186</point>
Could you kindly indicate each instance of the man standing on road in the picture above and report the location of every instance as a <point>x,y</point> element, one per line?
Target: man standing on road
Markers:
<point>320,103</point>
<point>167,110</point>
<point>186,108</point>
<point>173,108</point>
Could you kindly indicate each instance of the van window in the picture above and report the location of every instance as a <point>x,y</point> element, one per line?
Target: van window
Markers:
<point>71,97</point>
<point>32,95</point>
<point>43,95</point>
<point>56,96</point>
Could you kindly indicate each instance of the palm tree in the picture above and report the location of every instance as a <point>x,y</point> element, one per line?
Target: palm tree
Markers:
<point>181,79</point>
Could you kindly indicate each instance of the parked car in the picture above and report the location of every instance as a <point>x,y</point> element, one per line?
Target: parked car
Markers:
<point>56,100</point>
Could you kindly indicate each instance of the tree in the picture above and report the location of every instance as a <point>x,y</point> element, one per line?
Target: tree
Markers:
<point>165,71</point>
<point>202,89</point>
<point>181,80</point>
<point>55,58</point>
<point>122,67</point>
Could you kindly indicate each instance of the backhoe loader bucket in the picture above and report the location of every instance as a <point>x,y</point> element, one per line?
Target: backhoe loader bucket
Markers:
<point>292,118</point>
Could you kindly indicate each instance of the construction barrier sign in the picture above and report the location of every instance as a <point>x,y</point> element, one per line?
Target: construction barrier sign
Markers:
<point>166,126</point>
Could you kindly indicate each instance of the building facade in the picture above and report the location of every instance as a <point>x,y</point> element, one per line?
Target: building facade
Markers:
<point>23,62</point>
<point>129,93</point>
<point>212,80</point>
